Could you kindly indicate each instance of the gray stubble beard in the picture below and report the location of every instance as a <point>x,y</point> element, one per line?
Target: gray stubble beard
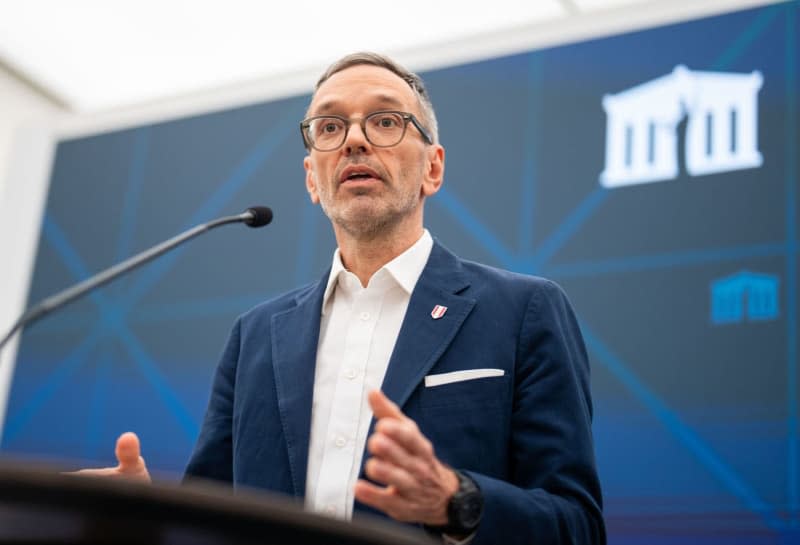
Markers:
<point>368,227</point>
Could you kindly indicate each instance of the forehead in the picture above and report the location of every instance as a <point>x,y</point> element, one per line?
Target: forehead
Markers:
<point>363,86</point>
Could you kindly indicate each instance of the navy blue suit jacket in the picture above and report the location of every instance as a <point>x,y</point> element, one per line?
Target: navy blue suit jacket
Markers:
<point>524,437</point>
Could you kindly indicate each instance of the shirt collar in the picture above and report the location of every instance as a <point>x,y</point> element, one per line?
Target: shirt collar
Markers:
<point>406,268</point>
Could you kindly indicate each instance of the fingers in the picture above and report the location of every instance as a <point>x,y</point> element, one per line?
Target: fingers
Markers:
<point>390,474</point>
<point>382,406</point>
<point>392,423</point>
<point>424,508</point>
<point>385,499</point>
<point>403,434</point>
<point>398,441</point>
<point>367,492</point>
<point>101,472</point>
<point>393,466</point>
<point>374,495</point>
<point>131,464</point>
<point>128,450</point>
<point>381,498</point>
<point>415,484</point>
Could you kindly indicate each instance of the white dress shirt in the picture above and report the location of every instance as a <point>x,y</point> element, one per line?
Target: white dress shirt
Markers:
<point>358,331</point>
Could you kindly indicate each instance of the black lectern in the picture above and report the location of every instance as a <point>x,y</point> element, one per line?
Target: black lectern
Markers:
<point>44,507</point>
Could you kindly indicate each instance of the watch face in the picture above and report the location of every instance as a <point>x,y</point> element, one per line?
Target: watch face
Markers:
<point>466,506</point>
<point>471,510</point>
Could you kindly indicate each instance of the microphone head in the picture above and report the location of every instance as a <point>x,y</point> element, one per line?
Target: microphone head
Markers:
<point>259,216</point>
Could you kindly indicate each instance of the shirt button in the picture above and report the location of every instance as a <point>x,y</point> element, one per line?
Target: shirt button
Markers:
<point>330,510</point>
<point>340,441</point>
<point>364,316</point>
<point>350,373</point>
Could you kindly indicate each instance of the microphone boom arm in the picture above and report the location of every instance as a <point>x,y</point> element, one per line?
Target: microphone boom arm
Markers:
<point>254,217</point>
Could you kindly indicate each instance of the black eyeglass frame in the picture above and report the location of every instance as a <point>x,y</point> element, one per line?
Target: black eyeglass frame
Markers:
<point>405,116</point>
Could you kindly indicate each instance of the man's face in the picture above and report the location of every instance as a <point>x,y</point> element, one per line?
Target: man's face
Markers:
<point>366,190</point>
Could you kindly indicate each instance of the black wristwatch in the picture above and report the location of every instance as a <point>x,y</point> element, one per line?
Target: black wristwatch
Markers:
<point>464,510</point>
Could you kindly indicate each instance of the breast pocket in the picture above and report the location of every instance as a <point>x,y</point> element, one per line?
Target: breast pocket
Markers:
<point>467,395</point>
<point>468,423</point>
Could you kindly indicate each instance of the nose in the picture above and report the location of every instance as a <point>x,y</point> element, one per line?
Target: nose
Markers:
<point>355,140</point>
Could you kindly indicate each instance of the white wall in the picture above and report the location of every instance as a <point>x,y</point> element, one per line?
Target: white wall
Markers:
<point>19,104</point>
<point>25,146</point>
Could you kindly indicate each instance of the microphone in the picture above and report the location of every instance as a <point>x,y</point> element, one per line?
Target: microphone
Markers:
<point>258,216</point>
<point>255,216</point>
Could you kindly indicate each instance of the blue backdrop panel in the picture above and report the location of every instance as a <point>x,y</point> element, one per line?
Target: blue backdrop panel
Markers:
<point>682,263</point>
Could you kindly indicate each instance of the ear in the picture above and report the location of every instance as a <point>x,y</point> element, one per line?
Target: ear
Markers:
<point>434,170</point>
<point>311,183</point>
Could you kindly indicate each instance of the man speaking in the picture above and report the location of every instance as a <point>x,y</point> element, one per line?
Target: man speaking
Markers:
<point>407,381</point>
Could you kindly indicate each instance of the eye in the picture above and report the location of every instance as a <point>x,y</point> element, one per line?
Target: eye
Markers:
<point>326,126</point>
<point>330,127</point>
<point>386,121</point>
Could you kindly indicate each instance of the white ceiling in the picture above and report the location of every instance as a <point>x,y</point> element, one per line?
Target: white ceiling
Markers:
<point>104,54</point>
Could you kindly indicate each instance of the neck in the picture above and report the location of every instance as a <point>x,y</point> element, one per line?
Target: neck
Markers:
<point>364,256</point>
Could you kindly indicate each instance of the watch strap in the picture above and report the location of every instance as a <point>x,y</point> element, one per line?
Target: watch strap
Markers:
<point>464,510</point>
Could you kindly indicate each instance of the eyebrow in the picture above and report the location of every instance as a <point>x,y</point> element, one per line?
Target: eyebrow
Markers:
<point>381,100</point>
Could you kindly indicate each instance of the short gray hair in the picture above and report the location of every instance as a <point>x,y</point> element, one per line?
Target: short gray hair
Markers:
<point>413,80</point>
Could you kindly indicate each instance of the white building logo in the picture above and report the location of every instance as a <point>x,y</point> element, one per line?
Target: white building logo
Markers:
<point>721,132</point>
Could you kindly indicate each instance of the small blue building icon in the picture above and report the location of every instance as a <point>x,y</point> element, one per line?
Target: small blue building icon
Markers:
<point>744,295</point>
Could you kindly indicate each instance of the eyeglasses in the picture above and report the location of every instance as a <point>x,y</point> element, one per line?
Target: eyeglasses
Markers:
<point>382,129</point>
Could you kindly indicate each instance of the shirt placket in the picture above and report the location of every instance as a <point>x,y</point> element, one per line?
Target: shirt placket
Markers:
<point>334,496</point>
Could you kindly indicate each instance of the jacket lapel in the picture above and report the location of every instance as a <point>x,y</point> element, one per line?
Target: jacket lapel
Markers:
<point>295,335</point>
<point>423,339</point>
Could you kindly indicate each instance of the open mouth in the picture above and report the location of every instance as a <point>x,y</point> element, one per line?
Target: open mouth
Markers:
<point>359,177</point>
<point>358,174</point>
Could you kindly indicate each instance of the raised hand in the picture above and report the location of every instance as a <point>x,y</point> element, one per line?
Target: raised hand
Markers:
<point>130,466</point>
<point>418,486</point>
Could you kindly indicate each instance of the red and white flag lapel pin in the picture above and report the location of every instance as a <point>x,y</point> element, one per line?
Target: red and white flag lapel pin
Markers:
<point>438,311</point>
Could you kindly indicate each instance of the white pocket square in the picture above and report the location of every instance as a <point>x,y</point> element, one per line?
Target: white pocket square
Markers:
<point>459,376</point>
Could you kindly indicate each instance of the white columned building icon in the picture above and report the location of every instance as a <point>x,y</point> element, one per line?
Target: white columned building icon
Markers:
<point>721,130</point>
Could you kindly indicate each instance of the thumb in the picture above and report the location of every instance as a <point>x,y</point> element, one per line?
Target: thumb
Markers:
<point>128,452</point>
